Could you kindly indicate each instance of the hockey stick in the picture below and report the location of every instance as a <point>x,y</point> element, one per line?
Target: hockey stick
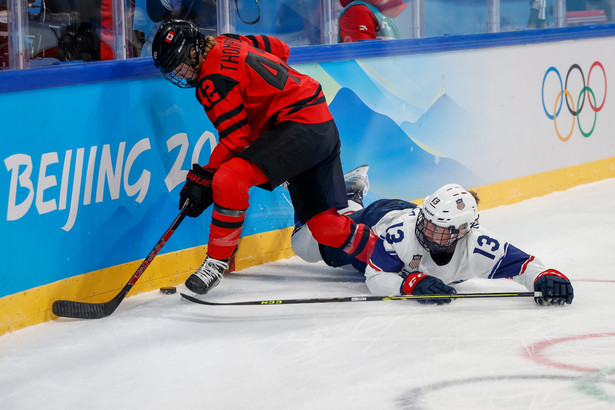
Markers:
<point>364,298</point>
<point>84,310</point>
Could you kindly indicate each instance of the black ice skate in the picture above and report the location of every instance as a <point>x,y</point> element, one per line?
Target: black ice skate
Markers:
<point>357,183</point>
<point>207,276</point>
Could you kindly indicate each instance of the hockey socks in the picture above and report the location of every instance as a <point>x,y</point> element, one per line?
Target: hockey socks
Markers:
<point>224,232</point>
<point>337,231</point>
<point>360,244</point>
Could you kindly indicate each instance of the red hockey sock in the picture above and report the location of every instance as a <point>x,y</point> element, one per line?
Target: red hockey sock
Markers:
<point>224,232</point>
<point>360,244</point>
<point>338,231</point>
<point>330,228</point>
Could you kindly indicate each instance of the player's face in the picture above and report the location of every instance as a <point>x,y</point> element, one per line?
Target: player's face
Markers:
<point>437,234</point>
<point>185,72</point>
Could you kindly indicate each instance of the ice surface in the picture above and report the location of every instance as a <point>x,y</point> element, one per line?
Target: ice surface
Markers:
<point>158,352</point>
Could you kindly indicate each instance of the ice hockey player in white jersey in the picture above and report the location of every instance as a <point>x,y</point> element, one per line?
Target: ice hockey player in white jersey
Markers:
<point>422,250</point>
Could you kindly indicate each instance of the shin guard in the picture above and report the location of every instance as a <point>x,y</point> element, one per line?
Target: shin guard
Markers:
<point>224,232</point>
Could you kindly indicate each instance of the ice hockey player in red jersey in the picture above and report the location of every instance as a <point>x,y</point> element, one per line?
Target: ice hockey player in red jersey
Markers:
<point>369,20</point>
<point>274,126</point>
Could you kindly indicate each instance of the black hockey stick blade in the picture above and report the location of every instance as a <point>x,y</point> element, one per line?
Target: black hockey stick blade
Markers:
<point>362,298</point>
<point>85,310</point>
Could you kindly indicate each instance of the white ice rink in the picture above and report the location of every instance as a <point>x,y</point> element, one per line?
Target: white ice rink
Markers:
<point>158,352</point>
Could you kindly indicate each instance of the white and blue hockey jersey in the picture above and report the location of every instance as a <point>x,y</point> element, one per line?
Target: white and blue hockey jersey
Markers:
<point>478,254</point>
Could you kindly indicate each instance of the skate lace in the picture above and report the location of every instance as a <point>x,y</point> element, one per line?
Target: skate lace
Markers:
<point>211,270</point>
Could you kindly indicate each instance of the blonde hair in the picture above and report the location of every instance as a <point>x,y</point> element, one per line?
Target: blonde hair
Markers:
<point>210,42</point>
<point>475,195</point>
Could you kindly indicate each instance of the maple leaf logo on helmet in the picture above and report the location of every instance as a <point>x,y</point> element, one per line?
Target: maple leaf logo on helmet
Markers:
<point>170,37</point>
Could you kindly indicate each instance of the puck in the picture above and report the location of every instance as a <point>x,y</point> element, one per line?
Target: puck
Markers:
<point>168,291</point>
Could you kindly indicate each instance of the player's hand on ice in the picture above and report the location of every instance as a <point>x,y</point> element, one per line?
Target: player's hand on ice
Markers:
<point>555,287</point>
<point>421,284</point>
<point>198,189</point>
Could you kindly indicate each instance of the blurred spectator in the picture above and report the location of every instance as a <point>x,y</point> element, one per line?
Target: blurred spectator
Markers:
<point>202,13</point>
<point>79,42</point>
<point>80,30</point>
<point>4,38</point>
<point>538,14</point>
<point>99,13</point>
<point>369,19</point>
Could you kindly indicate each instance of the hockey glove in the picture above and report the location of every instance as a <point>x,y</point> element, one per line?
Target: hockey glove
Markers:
<point>198,189</point>
<point>555,287</point>
<point>421,284</point>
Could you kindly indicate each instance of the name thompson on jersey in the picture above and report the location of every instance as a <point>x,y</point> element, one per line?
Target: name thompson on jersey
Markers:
<point>422,250</point>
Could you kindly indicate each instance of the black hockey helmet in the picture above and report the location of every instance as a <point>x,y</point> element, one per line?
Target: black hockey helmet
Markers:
<point>172,46</point>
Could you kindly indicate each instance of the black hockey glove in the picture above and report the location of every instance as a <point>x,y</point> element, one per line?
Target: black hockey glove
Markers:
<point>555,287</point>
<point>421,284</point>
<point>198,189</point>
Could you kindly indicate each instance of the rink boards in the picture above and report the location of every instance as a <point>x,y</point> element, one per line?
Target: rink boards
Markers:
<point>93,171</point>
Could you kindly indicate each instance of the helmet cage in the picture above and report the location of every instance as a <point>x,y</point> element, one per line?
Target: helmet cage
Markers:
<point>438,239</point>
<point>184,75</point>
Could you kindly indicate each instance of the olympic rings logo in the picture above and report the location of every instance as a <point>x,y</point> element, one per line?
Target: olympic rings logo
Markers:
<point>565,95</point>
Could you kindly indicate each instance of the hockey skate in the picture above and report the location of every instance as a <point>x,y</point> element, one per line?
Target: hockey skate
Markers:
<point>357,183</point>
<point>207,276</point>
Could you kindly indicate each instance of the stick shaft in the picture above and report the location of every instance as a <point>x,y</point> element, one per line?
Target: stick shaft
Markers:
<point>363,298</point>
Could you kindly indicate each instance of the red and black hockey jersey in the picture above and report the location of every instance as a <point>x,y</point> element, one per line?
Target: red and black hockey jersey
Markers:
<point>246,88</point>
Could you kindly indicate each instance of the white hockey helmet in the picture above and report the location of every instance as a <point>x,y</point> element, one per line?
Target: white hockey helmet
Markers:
<point>446,216</point>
